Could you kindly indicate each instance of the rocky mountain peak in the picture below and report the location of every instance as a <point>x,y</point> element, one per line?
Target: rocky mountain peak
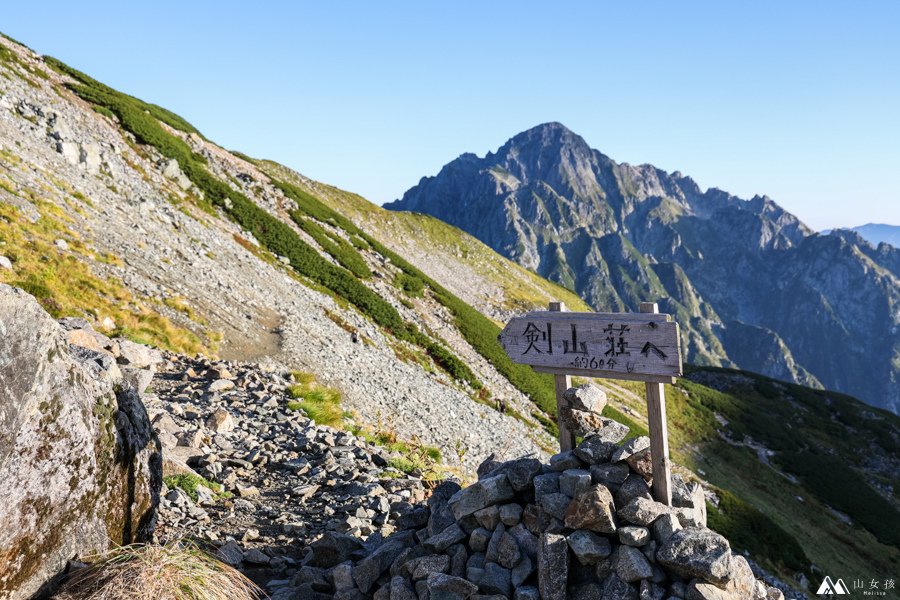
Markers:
<point>614,233</point>
<point>549,152</point>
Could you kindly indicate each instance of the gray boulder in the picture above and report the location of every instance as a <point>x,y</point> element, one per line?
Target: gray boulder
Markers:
<point>448,587</point>
<point>573,481</point>
<point>449,536</point>
<point>632,565</point>
<point>592,509</point>
<point>641,511</point>
<point>588,547</point>
<point>553,566</point>
<point>587,397</point>
<point>632,446</point>
<point>634,536</point>
<point>80,464</point>
<point>520,472</point>
<point>595,448</point>
<point>136,355</point>
<point>664,526</point>
<point>368,570</point>
<point>526,592</point>
<point>492,579</point>
<point>695,552</point>
<point>488,491</point>
<point>334,548</point>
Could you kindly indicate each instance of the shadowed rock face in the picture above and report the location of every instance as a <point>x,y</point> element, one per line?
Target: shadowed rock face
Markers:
<point>79,461</point>
<point>750,285</point>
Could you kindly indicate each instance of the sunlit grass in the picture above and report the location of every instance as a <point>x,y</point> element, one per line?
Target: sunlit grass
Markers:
<point>319,403</point>
<point>177,571</point>
<point>63,283</point>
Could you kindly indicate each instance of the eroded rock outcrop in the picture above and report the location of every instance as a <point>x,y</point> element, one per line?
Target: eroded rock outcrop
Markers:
<point>79,461</point>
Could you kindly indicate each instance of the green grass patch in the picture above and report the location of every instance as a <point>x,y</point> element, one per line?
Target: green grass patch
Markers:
<point>339,249</point>
<point>844,489</point>
<point>415,457</point>
<point>65,286</point>
<point>321,404</point>
<point>102,110</point>
<point>410,284</point>
<point>189,483</point>
<point>749,529</point>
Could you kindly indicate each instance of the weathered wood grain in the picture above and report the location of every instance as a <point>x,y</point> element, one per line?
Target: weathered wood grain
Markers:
<point>562,382</point>
<point>659,435</point>
<point>610,345</point>
<point>607,375</point>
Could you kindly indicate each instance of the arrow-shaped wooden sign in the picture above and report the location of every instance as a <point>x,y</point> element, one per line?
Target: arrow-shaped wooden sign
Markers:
<point>635,346</point>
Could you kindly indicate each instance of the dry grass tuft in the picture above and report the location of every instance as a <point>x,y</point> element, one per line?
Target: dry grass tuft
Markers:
<point>177,571</point>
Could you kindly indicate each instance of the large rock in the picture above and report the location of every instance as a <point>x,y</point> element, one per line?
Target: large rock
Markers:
<point>520,472</point>
<point>632,446</point>
<point>740,584</point>
<point>80,464</point>
<point>632,565</point>
<point>334,548</point>
<point>586,397</point>
<point>695,552</point>
<point>642,511</point>
<point>368,570</point>
<point>592,509</point>
<point>448,587</point>
<point>136,355</point>
<point>588,547</point>
<point>553,566</point>
<point>583,423</point>
<point>491,490</point>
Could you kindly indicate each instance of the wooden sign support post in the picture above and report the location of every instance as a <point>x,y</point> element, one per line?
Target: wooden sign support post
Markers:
<point>641,346</point>
<point>659,433</point>
<point>562,383</point>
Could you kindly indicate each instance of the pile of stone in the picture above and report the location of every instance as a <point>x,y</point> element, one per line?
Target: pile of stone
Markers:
<point>583,526</point>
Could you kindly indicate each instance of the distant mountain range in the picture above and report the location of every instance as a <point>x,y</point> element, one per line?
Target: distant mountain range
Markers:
<point>876,233</point>
<point>750,284</point>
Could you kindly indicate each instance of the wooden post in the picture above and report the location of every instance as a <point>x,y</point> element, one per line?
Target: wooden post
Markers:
<point>563,382</point>
<point>659,435</point>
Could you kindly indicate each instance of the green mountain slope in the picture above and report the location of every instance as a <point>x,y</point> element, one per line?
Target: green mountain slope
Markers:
<point>821,468</point>
<point>473,271</point>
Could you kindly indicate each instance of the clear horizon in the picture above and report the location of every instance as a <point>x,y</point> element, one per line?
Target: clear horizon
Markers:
<point>794,101</point>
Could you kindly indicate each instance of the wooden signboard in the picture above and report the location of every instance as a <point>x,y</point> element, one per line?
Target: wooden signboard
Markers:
<point>641,346</point>
<point>611,345</point>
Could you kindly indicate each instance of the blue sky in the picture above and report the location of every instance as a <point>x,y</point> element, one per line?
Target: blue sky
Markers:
<point>797,100</point>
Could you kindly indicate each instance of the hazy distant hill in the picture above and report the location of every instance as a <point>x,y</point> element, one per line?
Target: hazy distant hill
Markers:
<point>876,233</point>
<point>751,285</point>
